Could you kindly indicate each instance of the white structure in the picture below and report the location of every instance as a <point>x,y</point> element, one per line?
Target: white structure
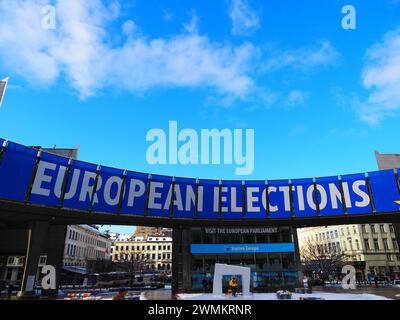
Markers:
<point>226,269</point>
<point>84,242</point>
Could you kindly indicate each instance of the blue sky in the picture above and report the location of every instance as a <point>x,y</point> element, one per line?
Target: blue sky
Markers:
<point>320,98</point>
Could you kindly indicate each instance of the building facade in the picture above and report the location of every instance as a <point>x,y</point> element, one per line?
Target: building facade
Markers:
<point>373,248</point>
<point>83,243</point>
<point>271,253</point>
<point>151,253</point>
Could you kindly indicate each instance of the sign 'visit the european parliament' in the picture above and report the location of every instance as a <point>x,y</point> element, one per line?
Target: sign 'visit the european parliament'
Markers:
<point>37,177</point>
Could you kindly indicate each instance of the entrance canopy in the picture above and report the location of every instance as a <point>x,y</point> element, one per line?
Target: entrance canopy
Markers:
<point>34,177</point>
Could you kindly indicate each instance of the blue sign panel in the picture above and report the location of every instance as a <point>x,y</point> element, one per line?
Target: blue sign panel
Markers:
<point>279,199</point>
<point>256,199</point>
<point>16,169</point>
<point>184,201</point>
<point>355,192</point>
<point>160,196</point>
<point>109,186</point>
<point>232,199</point>
<point>80,185</point>
<point>385,191</point>
<point>304,201</point>
<point>242,248</point>
<point>135,195</point>
<point>330,198</point>
<point>49,180</point>
<point>208,199</point>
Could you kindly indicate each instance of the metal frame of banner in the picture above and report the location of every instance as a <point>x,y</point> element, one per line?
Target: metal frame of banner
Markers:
<point>96,180</point>
<point>316,198</point>
<point>33,176</point>
<point>3,150</point>
<point>146,208</point>
<point>196,201</point>
<point>371,197</point>
<point>243,200</point>
<point>344,204</point>
<point>291,200</point>
<point>171,204</point>
<point>122,193</point>
<point>396,176</point>
<point>267,209</point>
<point>219,199</point>
<point>65,182</point>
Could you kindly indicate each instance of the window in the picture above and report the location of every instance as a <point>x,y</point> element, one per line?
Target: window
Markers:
<point>354,229</point>
<point>376,244</point>
<point>366,243</point>
<point>348,230</point>
<point>391,229</point>
<point>357,245</point>
<point>336,234</point>
<point>382,228</point>
<point>389,257</point>
<point>373,228</point>
<point>395,244</point>
<point>385,244</point>
<point>364,228</point>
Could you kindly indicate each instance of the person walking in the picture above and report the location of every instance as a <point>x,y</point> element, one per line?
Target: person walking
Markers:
<point>233,284</point>
<point>121,294</point>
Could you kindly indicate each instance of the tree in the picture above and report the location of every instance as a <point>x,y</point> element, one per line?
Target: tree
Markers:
<point>324,261</point>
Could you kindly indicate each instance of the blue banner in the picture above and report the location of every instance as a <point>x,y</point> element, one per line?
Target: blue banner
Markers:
<point>208,199</point>
<point>135,195</point>
<point>256,199</point>
<point>279,199</point>
<point>231,199</point>
<point>304,201</point>
<point>160,195</point>
<point>355,193</point>
<point>80,186</point>
<point>184,201</point>
<point>86,186</point>
<point>242,248</point>
<point>16,169</point>
<point>385,191</point>
<point>329,187</point>
<point>49,180</point>
<point>109,186</point>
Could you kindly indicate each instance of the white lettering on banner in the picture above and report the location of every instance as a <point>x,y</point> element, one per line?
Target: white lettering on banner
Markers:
<point>251,199</point>
<point>49,180</point>
<point>133,193</point>
<point>153,195</point>
<point>107,190</point>
<point>335,195</point>
<point>42,177</point>
<point>286,197</point>
<point>272,208</point>
<point>365,198</point>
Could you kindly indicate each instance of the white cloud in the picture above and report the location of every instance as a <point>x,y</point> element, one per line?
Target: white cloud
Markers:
<point>244,19</point>
<point>304,58</point>
<point>82,52</point>
<point>381,76</point>
<point>80,49</point>
<point>296,97</point>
